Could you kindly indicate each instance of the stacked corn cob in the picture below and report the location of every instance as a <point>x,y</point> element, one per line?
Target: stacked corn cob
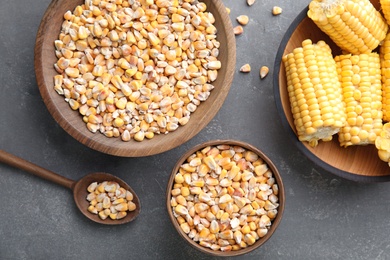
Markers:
<point>362,95</point>
<point>363,76</point>
<point>354,25</point>
<point>314,92</point>
<point>382,143</point>
<point>385,4</point>
<point>385,66</point>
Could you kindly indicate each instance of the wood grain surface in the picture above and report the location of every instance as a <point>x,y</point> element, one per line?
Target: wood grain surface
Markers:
<point>71,121</point>
<point>358,163</point>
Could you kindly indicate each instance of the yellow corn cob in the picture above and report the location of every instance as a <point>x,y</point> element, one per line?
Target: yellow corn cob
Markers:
<point>385,4</point>
<point>314,92</point>
<point>385,67</point>
<point>360,78</point>
<point>382,143</point>
<point>354,25</point>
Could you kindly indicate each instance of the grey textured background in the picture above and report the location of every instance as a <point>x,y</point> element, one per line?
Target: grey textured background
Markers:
<point>326,217</point>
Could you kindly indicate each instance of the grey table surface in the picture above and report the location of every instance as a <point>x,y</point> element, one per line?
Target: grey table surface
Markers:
<point>326,217</point>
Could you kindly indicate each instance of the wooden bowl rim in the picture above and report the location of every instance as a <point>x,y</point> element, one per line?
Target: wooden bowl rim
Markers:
<point>275,222</point>
<point>160,143</point>
<point>291,134</point>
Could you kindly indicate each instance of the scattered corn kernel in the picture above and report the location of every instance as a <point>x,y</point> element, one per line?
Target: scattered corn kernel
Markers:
<point>243,19</point>
<point>237,30</point>
<point>264,71</point>
<point>276,10</point>
<point>245,68</point>
<point>250,2</point>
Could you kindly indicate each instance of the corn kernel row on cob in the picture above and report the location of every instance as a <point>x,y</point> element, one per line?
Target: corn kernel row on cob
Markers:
<point>382,143</point>
<point>354,25</point>
<point>360,77</point>
<point>385,67</point>
<point>314,92</point>
<point>385,5</point>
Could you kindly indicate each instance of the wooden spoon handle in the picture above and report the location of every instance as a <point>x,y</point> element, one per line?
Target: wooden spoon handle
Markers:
<point>35,169</point>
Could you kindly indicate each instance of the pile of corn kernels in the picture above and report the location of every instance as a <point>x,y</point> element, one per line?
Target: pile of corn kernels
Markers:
<point>109,199</point>
<point>225,197</point>
<point>136,68</point>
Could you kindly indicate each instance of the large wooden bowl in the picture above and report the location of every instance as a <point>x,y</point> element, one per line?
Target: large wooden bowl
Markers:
<point>275,222</point>
<point>359,163</point>
<point>71,121</point>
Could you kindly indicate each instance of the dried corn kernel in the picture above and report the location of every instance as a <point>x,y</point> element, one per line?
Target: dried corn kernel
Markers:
<point>237,30</point>
<point>217,211</point>
<point>245,68</point>
<point>264,71</point>
<point>111,51</point>
<point>243,19</point>
<point>111,200</point>
<point>250,2</point>
<point>276,10</point>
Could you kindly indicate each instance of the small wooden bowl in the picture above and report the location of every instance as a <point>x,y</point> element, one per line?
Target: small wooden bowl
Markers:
<point>275,222</point>
<point>359,163</point>
<point>71,121</point>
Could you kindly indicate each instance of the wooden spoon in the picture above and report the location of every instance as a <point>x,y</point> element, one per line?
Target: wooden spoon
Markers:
<point>79,188</point>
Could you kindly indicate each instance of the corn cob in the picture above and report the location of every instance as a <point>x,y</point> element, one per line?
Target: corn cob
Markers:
<point>382,143</point>
<point>314,92</point>
<point>385,67</point>
<point>385,4</point>
<point>354,25</point>
<point>360,78</point>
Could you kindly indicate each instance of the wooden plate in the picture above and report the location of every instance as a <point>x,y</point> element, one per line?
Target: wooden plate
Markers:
<point>359,163</point>
<point>71,121</point>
